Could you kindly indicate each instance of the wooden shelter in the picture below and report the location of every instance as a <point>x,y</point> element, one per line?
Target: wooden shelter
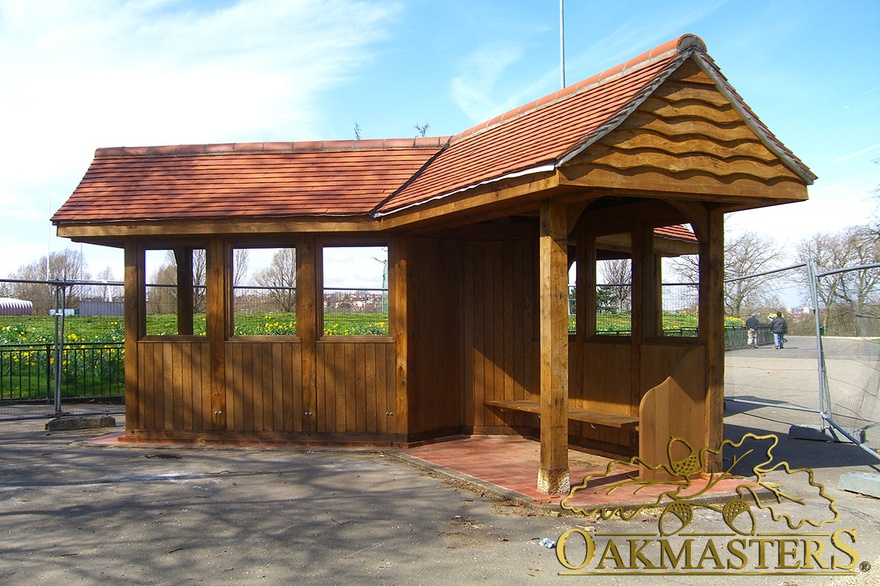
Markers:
<point>481,230</point>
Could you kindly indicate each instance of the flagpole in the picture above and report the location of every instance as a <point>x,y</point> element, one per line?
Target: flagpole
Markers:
<point>562,43</point>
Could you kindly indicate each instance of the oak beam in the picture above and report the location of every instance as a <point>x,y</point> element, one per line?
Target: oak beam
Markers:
<point>553,473</point>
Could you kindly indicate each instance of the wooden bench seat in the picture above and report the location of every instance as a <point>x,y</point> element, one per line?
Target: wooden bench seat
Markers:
<point>576,414</point>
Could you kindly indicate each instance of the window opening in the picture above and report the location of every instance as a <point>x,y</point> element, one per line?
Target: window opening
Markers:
<point>162,292</point>
<point>264,291</point>
<point>355,290</point>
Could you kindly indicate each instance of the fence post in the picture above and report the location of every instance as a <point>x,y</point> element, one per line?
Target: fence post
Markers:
<point>824,392</point>
<point>59,342</point>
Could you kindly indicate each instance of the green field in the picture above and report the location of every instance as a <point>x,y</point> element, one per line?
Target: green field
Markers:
<point>41,329</point>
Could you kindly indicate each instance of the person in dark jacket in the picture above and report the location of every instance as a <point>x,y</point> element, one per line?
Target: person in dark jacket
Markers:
<point>752,331</point>
<point>779,327</point>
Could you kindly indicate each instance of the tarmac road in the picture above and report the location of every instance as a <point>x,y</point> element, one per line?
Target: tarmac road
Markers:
<point>78,513</point>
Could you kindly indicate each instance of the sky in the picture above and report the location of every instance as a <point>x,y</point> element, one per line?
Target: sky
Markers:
<point>77,76</point>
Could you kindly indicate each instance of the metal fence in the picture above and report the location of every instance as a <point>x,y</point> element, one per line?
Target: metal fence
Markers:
<point>45,380</point>
<point>69,376</point>
<point>833,321</point>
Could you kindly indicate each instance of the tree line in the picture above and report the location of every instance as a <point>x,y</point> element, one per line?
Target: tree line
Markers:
<point>848,298</point>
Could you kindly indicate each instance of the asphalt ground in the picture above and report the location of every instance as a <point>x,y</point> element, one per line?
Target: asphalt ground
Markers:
<point>77,512</point>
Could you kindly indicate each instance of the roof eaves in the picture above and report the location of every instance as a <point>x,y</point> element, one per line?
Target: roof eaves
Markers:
<point>533,170</point>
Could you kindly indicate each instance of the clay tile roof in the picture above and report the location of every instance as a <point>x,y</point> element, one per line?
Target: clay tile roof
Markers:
<point>546,133</point>
<point>337,178</point>
<point>381,177</point>
<point>675,232</point>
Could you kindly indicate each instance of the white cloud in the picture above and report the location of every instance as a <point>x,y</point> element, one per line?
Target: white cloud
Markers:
<point>855,154</point>
<point>473,89</point>
<point>83,75</point>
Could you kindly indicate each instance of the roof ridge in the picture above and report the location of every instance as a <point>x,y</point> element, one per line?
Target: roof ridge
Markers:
<point>274,147</point>
<point>679,44</point>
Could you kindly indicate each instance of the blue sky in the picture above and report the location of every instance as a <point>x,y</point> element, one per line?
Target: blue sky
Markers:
<point>82,75</point>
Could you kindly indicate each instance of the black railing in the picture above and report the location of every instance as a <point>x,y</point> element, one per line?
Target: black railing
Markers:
<point>90,371</point>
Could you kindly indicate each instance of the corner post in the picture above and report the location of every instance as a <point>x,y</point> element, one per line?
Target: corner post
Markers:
<point>400,305</point>
<point>553,473</point>
<point>135,329</point>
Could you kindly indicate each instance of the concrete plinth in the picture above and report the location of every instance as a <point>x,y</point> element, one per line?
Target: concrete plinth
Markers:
<point>860,482</point>
<point>80,422</point>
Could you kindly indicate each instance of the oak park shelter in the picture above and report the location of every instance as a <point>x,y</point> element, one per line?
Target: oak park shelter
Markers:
<point>640,161</point>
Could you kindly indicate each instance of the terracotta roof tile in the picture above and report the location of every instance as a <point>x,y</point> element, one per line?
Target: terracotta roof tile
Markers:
<point>541,132</point>
<point>677,232</point>
<point>379,177</point>
<point>250,179</point>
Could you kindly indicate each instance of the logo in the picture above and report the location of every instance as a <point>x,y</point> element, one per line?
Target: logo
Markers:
<point>707,523</point>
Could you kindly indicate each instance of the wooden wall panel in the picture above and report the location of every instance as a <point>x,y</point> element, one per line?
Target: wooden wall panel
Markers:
<point>171,396</point>
<point>435,401</point>
<point>263,386</point>
<point>606,385</point>
<point>498,323</point>
<point>355,386</point>
<point>658,362</point>
<point>264,383</point>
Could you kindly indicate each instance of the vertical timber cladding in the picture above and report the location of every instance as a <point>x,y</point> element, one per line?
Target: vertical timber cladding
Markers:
<point>172,377</point>
<point>264,386</point>
<point>498,326</point>
<point>355,386</point>
<point>436,400</point>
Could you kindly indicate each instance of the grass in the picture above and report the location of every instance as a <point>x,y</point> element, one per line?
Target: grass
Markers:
<point>41,329</point>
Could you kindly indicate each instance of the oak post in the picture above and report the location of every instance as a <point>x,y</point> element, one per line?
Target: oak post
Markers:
<point>184,260</point>
<point>399,311</point>
<point>135,328</point>
<point>218,321</point>
<point>553,473</point>
<point>712,331</point>
<point>307,327</point>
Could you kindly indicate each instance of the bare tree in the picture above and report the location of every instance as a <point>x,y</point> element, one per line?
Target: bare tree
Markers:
<point>849,294</point>
<point>163,297</point>
<point>617,283</point>
<point>422,129</point>
<point>240,261</point>
<point>63,266</point>
<point>280,276</point>
<point>744,255</point>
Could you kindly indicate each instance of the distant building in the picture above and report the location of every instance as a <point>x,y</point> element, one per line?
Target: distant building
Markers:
<point>10,306</point>
<point>115,308</point>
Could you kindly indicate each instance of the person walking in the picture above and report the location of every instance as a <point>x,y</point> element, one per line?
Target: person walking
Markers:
<point>779,327</point>
<point>752,327</point>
